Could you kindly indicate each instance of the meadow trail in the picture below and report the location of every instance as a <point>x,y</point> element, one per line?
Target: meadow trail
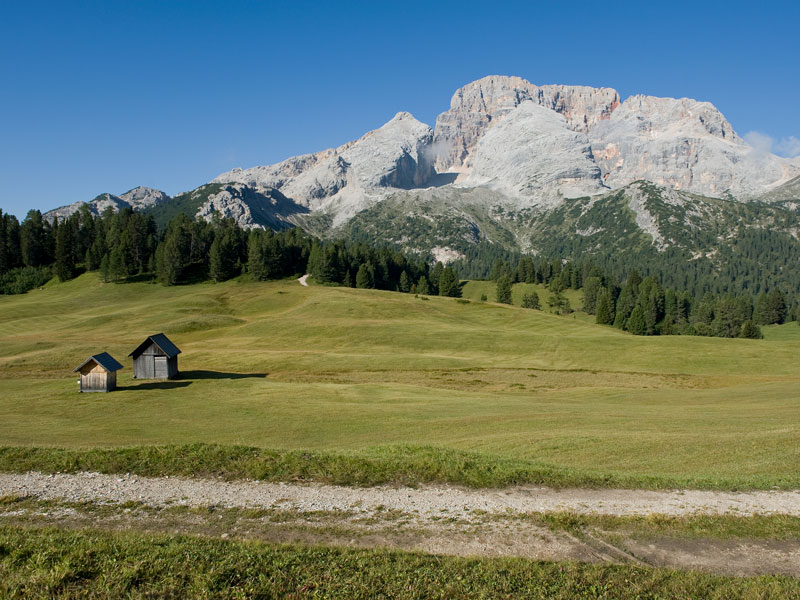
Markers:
<point>541,524</point>
<point>303,280</point>
<point>423,501</point>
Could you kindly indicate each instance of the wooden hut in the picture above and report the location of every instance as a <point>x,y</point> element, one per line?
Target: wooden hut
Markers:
<point>155,358</point>
<point>98,373</point>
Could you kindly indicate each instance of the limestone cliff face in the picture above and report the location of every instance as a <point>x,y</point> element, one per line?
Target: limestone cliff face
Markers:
<point>480,105</point>
<point>138,198</point>
<point>251,207</point>
<point>503,143</point>
<point>394,156</point>
<point>684,144</point>
<point>534,155</point>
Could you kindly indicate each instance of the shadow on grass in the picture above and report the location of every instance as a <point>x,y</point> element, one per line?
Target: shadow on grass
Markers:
<point>166,384</point>
<point>193,375</point>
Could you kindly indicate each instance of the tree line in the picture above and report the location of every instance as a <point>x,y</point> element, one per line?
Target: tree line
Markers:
<point>127,245</point>
<point>643,306</point>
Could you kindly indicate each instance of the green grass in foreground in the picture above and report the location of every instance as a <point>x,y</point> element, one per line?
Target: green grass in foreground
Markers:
<point>404,465</point>
<point>353,376</point>
<point>57,564</point>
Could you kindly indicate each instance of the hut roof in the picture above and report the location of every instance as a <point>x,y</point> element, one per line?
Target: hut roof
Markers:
<point>104,359</point>
<point>160,340</point>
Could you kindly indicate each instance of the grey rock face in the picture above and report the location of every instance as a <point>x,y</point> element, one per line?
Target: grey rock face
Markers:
<point>138,198</point>
<point>684,144</point>
<point>251,208</point>
<point>97,205</point>
<point>481,104</point>
<point>532,153</point>
<point>143,197</point>
<point>394,156</point>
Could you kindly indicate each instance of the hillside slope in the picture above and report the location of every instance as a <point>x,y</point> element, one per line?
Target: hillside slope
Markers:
<point>337,369</point>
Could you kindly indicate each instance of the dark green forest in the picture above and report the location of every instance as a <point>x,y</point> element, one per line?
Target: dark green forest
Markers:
<point>129,246</point>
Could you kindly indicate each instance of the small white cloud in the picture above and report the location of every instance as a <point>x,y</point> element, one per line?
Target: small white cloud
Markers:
<point>789,146</point>
<point>760,141</point>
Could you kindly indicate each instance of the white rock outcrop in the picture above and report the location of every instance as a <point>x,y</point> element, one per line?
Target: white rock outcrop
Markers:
<point>533,154</point>
<point>251,207</point>
<point>138,198</point>
<point>345,179</point>
<point>480,105</point>
<point>684,144</point>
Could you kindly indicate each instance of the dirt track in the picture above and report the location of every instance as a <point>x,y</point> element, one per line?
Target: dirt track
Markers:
<point>426,500</point>
<point>440,520</point>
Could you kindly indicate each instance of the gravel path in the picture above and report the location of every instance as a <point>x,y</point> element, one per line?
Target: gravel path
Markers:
<point>303,280</point>
<point>424,501</point>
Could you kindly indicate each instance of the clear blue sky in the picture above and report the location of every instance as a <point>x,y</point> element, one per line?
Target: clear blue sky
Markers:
<point>103,96</point>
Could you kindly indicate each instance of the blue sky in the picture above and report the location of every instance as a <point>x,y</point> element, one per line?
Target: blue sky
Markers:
<point>103,96</point>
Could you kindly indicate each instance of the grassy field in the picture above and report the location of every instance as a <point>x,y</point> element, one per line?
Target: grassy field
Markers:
<point>357,373</point>
<point>47,563</point>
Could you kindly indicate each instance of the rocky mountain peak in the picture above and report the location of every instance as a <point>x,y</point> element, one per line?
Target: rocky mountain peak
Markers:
<point>392,156</point>
<point>142,197</point>
<point>481,104</point>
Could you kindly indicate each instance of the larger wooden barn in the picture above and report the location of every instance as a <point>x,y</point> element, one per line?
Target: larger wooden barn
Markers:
<point>98,373</point>
<point>155,358</point>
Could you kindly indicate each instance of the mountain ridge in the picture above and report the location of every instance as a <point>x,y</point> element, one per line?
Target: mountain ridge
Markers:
<point>504,147</point>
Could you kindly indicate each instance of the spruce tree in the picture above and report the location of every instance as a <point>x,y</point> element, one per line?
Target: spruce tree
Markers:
<point>422,286</point>
<point>404,284</point>
<point>33,242</point>
<point>3,245</point>
<point>105,268</point>
<point>531,301</point>
<point>636,322</point>
<point>65,253</point>
<point>364,277</point>
<point>750,330</point>
<point>448,283</point>
<point>591,291</point>
<point>436,274</point>
<point>605,308</point>
<point>504,289</point>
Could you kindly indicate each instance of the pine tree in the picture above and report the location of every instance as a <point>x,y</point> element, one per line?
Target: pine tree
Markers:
<point>365,277</point>
<point>591,291</point>
<point>105,268</point>
<point>750,330</point>
<point>222,257</point>
<point>504,289</point>
<point>65,253</point>
<point>4,267</point>
<point>559,303</point>
<point>605,308</point>
<point>422,286</point>
<point>531,301</point>
<point>33,242</point>
<point>448,283</point>
<point>626,302</point>
<point>405,284</point>
<point>436,274</point>
<point>636,322</point>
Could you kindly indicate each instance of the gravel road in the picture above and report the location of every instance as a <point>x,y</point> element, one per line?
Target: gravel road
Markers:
<point>423,501</point>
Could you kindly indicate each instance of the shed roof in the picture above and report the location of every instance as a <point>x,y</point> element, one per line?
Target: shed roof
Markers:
<point>104,359</point>
<point>160,340</point>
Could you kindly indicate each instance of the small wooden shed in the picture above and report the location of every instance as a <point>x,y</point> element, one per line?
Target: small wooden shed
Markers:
<point>155,358</point>
<point>98,373</point>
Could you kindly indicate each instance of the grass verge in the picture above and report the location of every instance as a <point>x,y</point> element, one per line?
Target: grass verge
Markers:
<point>48,563</point>
<point>400,465</point>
